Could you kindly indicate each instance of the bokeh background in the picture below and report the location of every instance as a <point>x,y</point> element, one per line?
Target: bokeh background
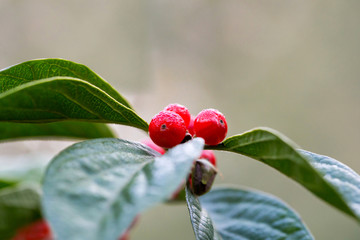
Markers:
<point>290,65</point>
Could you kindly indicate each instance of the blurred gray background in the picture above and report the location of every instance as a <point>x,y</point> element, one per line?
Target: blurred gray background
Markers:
<point>290,65</point>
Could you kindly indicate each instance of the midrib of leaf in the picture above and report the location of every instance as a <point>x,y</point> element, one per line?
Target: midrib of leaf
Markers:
<point>124,101</point>
<point>71,80</point>
<point>103,102</point>
<point>103,209</point>
<point>270,138</point>
<point>123,188</point>
<point>44,110</point>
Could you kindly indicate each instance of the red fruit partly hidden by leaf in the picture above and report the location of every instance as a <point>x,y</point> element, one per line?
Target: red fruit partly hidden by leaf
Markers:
<point>125,236</point>
<point>209,155</point>
<point>39,230</point>
<point>210,124</point>
<point>190,128</point>
<point>167,129</point>
<point>181,110</point>
<point>152,145</point>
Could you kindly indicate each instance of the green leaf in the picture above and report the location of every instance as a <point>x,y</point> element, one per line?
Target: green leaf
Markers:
<point>94,189</point>
<point>247,214</point>
<point>19,206</point>
<point>46,68</point>
<point>200,220</point>
<point>342,178</point>
<point>64,98</point>
<point>6,183</point>
<point>66,129</point>
<point>16,170</point>
<point>277,151</point>
<point>30,174</point>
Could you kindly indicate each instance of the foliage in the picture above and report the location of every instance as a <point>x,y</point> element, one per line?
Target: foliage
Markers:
<point>95,188</point>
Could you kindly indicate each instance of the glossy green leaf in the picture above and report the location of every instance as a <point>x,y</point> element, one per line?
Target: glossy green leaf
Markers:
<point>64,98</point>
<point>277,151</point>
<point>46,68</point>
<point>66,129</point>
<point>94,189</point>
<point>202,224</point>
<point>247,214</point>
<point>19,206</point>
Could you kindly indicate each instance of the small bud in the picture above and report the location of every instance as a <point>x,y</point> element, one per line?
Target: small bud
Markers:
<point>202,177</point>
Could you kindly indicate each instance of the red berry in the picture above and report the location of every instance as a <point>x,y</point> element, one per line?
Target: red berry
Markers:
<point>167,129</point>
<point>39,230</point>
<point>191,126</point>
<point>152,145</point>
<point>181,110</point>
<point>210,124</point>
<point>209,155</point>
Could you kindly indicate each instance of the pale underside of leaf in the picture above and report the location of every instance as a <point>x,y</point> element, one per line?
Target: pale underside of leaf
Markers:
<point>240,214</point>
<point>345,180</point>
<point>200,220</point>
<point>94,189</point>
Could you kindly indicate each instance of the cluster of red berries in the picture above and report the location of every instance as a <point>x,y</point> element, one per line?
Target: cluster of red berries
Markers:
<point>170,127</point>
<point>175,125</point>
<point>203,175</point>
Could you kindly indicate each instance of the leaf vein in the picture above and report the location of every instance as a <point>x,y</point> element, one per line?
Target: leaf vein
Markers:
<point>248,143</point>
